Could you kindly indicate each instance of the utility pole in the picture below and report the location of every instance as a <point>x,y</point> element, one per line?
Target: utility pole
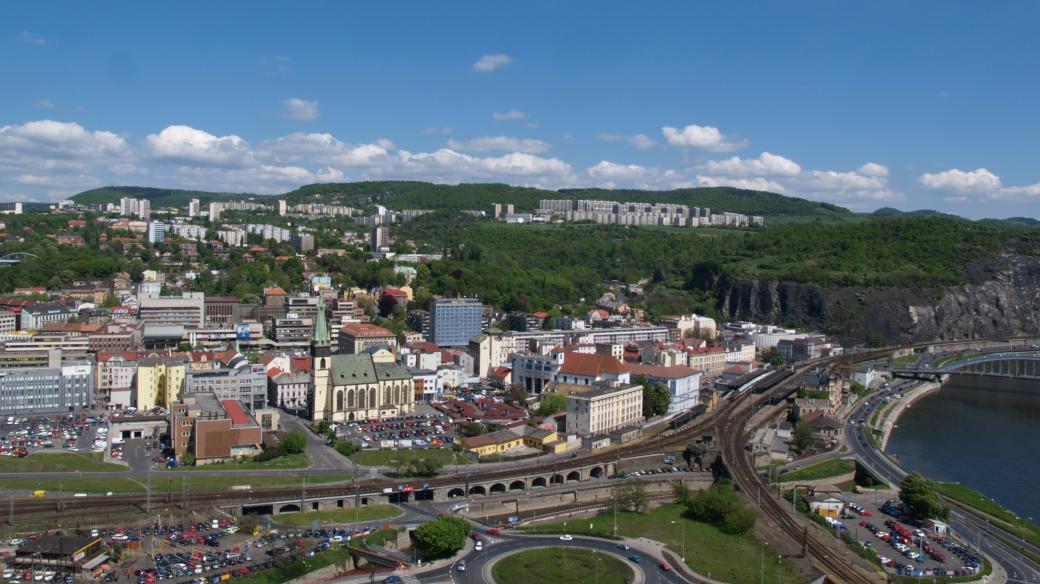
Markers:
<point>148,492</point>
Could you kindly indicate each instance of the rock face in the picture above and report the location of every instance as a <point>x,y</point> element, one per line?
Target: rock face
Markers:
<point>1002,300</point>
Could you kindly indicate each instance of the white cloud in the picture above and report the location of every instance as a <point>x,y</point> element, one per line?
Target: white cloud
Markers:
<point>976,182</point>
<point>873,169</point>
<point>323,148</point>
<point>32,38</point>
<point>449,163</point>
<point>511,115</point>
<point>301,109</point>
<point>702,137</point>
<point>640,141</point>
<point>767,164</point>
<point>489,63</point>
<point>501,143</point>
<point>187,145</point>
<point>44,104</point>
<point>979,183</point>
<point>610,171</point>
<point>754,184</point>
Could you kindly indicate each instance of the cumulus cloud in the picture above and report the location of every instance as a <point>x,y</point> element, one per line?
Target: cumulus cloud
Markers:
<point>963,185</point>
<point>858,189</point>
<point>976,182</point>
<point>511,115</point>
<point>640,141</point>
<point>702,137</point>
<point>766,164</point>
<point>187,145</point>
<point>489,63</point>
<point>32,38</point>
<point>501,143</point>
<point>611,171</point>
<point>300,109</point>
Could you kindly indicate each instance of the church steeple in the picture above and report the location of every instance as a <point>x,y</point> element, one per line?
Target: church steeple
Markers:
<point>321,343</point>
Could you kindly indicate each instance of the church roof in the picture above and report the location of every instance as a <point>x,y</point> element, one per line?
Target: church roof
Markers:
<point>321,328</point>
<point>359,368</point>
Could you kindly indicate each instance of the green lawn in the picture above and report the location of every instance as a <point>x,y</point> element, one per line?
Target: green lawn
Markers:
<point>163,483</point>
<point>822,470</point>
<point>58,462</point>
<point>708,551</point>
<point>287,462</point>
<point>561,565</point>
<point>970,497</point>
<point>70,485</point>
<point>338,516</point>
<point>336,556</point>
<point>387,457</point>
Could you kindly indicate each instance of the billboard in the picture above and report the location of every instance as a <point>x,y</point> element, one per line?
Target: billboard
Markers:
<point>242,332</point>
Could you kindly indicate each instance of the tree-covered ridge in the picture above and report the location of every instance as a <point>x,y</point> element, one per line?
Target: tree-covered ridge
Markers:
<point>158,197</point>
<point>452,198</point>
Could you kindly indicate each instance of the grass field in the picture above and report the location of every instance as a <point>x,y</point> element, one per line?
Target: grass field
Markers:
<point>970,497</point>
<point>339,516</point>
<point>58,462</point>
<point>288,462</point>
<point>561,565</point>
<point>730,558</point>
<point>387,457</point>
<point>822,470</point>
<point>163,483</point>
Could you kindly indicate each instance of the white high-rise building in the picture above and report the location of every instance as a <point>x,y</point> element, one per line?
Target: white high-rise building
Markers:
<point>194,208</point>
<point>282,207</point>
<point>128,206</point>
<point>144,209</point>
<point>156,232</point>
<point>214,211</point>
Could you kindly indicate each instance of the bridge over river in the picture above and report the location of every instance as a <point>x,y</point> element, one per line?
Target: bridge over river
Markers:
<point>1010,364</point>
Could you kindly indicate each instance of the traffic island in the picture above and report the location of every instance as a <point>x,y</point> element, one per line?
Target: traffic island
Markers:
<point>563,565</point>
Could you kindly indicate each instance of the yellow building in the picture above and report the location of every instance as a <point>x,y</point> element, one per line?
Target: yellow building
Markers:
<point>159,381</point>
<point>493,443</point>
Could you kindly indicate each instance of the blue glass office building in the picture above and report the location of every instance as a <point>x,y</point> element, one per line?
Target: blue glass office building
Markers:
<point>454,321</point>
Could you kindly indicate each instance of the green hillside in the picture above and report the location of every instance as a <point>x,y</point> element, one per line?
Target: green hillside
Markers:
<point>424,195</point>
<point>158,197</point>
<point>453,198</point>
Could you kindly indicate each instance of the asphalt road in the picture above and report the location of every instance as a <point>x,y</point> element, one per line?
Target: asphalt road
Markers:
<point>1020,569</point>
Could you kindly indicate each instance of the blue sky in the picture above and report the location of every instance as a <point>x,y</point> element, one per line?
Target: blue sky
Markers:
<point>904,104</point>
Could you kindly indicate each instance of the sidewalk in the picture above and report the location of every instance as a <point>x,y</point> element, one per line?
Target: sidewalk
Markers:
<point>413,571</point>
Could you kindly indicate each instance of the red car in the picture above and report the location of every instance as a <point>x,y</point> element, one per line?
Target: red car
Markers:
<point>666,566</point>
<point>475,536</point>
<point>494,531</point>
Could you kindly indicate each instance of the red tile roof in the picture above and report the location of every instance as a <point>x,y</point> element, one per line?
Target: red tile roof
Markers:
<point>276,291</point>
<point>659,371</point>
<point>273,372</point>
<point>364,329</point>
<point>590,365</point>
<point>234,410</point>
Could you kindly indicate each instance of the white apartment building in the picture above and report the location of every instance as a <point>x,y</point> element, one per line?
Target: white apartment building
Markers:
<point>604,410</point>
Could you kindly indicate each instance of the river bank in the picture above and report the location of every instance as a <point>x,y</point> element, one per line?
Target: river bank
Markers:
<point>889,416</point>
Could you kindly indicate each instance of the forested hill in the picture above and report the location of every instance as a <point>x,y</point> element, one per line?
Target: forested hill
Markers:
<point>158,197</point>
<point>424,195</point>
<point>449,198</point>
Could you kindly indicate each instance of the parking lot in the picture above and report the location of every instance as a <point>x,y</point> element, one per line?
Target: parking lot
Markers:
<point>206,552</point>
<point>877,522</point>
<point>23,435</point>
<point>419,430</point>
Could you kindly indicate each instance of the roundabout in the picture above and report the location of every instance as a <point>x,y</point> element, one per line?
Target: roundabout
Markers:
<point>564,565</point>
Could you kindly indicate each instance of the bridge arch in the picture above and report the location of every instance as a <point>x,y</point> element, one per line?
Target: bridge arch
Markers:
<point>596,472</point>
<point>538,482</point>
<point>557,479</point>
<point>456,492</point>
<point>517,486</point>
<point>498,488</point>
<point>573,476</point>
<point>289,508</point>
<point>477,490</point>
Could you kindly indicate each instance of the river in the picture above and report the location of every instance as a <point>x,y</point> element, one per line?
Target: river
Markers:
<point>980,431</point>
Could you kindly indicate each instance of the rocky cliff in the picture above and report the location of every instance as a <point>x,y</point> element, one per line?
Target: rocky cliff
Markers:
<point>1000,300</point>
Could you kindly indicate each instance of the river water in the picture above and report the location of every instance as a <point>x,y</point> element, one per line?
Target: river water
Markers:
<point>980,431</point>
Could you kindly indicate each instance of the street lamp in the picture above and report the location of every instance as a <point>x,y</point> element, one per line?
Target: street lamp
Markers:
<point>682,556</point>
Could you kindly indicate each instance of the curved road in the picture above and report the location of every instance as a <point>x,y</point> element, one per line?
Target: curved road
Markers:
<point>1020,569</point>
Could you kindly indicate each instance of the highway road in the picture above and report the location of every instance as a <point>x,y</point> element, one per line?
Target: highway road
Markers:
<point>1020,568</point>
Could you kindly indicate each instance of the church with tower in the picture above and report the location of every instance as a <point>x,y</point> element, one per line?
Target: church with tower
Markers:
<point>367,385</point>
